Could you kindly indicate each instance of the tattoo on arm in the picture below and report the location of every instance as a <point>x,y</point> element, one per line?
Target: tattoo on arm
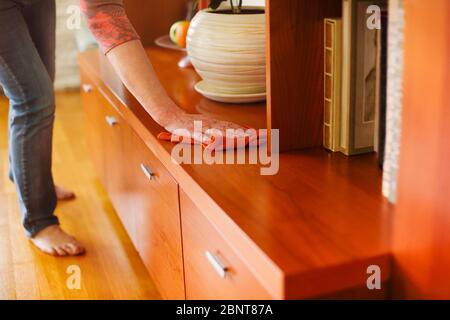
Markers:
<point>108,22</point>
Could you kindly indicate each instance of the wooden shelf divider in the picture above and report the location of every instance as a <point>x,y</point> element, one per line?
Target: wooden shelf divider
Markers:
<point>295,69</point>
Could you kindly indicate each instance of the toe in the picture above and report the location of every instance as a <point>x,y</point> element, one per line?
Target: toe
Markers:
<point>64,194</point>
<point>75,248</point>
<point>80,250</point>
<point>60,251</point>
<point>50,251</point>
<point>72,249</point>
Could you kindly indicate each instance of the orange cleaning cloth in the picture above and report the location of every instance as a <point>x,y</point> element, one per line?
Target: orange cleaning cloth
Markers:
<point>217,142</point>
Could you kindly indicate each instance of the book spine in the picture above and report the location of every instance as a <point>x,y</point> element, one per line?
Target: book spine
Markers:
<point>383,88</point>
<point>332,83</point>
<point>347,21</point>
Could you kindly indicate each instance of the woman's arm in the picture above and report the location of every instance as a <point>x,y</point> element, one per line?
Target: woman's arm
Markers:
<point>117,38</point>
<point>132,64</point>
<point>109,24</point>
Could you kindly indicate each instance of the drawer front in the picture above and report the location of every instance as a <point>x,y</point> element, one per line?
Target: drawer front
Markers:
<point>143,193</point>
<point>117,181</point>
<point>106,133</point>
<point>212,269</point>
<point>93,125</point>
<point>156,205</point>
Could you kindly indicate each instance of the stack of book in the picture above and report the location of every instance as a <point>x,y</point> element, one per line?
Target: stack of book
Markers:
<point>355,78</point>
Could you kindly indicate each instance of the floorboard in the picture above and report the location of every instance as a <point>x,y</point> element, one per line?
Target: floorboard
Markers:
<point>111,269</point>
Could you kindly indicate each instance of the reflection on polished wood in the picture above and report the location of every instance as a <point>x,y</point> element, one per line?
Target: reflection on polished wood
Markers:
<point>310,230</point>
<point>111,268</point>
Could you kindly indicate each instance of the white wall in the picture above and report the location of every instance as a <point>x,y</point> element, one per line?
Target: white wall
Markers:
<point>66,49</point>
<point>254,2</point>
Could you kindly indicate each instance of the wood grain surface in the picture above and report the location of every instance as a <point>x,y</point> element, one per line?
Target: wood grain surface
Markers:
<point>295,54</point>
<point>321,215</point>
<point>422,215</point>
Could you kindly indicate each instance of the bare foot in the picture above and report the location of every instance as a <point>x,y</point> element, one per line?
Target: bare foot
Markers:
<point>64,194</point>
<point>54,241</point>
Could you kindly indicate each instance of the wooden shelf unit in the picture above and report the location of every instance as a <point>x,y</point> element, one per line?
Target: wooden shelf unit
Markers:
<point>312,230</point>
<point>321,215</point>
<point>290,234</point>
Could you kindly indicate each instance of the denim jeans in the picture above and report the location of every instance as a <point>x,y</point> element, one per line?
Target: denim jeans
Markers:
<point>27,67</point>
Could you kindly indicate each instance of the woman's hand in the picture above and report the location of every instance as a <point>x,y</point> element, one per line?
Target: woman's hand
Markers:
<point>208,131</point>
<point>191,122</point>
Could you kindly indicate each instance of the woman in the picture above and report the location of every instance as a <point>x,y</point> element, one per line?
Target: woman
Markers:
<point>27,67</point>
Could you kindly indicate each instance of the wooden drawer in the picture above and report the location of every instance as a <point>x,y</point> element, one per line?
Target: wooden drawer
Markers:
<point>106,134</point>
<point>213,270</point>
<point>93,124</point>
<point>143,193</point>
<point>155,201</point>
<point>115,134</point>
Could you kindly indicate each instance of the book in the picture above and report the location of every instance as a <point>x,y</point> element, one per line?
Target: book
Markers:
<point>380,133</point>
<point>332,83</point>
<point>360,78</point>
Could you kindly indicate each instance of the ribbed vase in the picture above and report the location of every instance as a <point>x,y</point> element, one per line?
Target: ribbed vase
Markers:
<point>229,51</point>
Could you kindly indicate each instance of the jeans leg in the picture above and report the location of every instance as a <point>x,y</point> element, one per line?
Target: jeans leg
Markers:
<point>40,17</point>
<point>29,88</point>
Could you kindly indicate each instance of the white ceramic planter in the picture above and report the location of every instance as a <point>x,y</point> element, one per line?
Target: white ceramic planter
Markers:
<point>229,52</point>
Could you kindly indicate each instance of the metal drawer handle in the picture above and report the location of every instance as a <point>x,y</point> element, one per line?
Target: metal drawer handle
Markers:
<point>147,171</point>
<point>111,121</point>
<point>86,88</point>
<point>218,265</point>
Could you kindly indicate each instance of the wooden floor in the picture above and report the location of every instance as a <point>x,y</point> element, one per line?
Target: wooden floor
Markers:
<point>111,269</point>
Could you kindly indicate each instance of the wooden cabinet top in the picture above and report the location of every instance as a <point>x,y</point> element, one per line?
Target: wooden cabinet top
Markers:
<point>310,230</point>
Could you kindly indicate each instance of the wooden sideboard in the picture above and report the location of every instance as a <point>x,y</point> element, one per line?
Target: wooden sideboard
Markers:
<point>312,230</point>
